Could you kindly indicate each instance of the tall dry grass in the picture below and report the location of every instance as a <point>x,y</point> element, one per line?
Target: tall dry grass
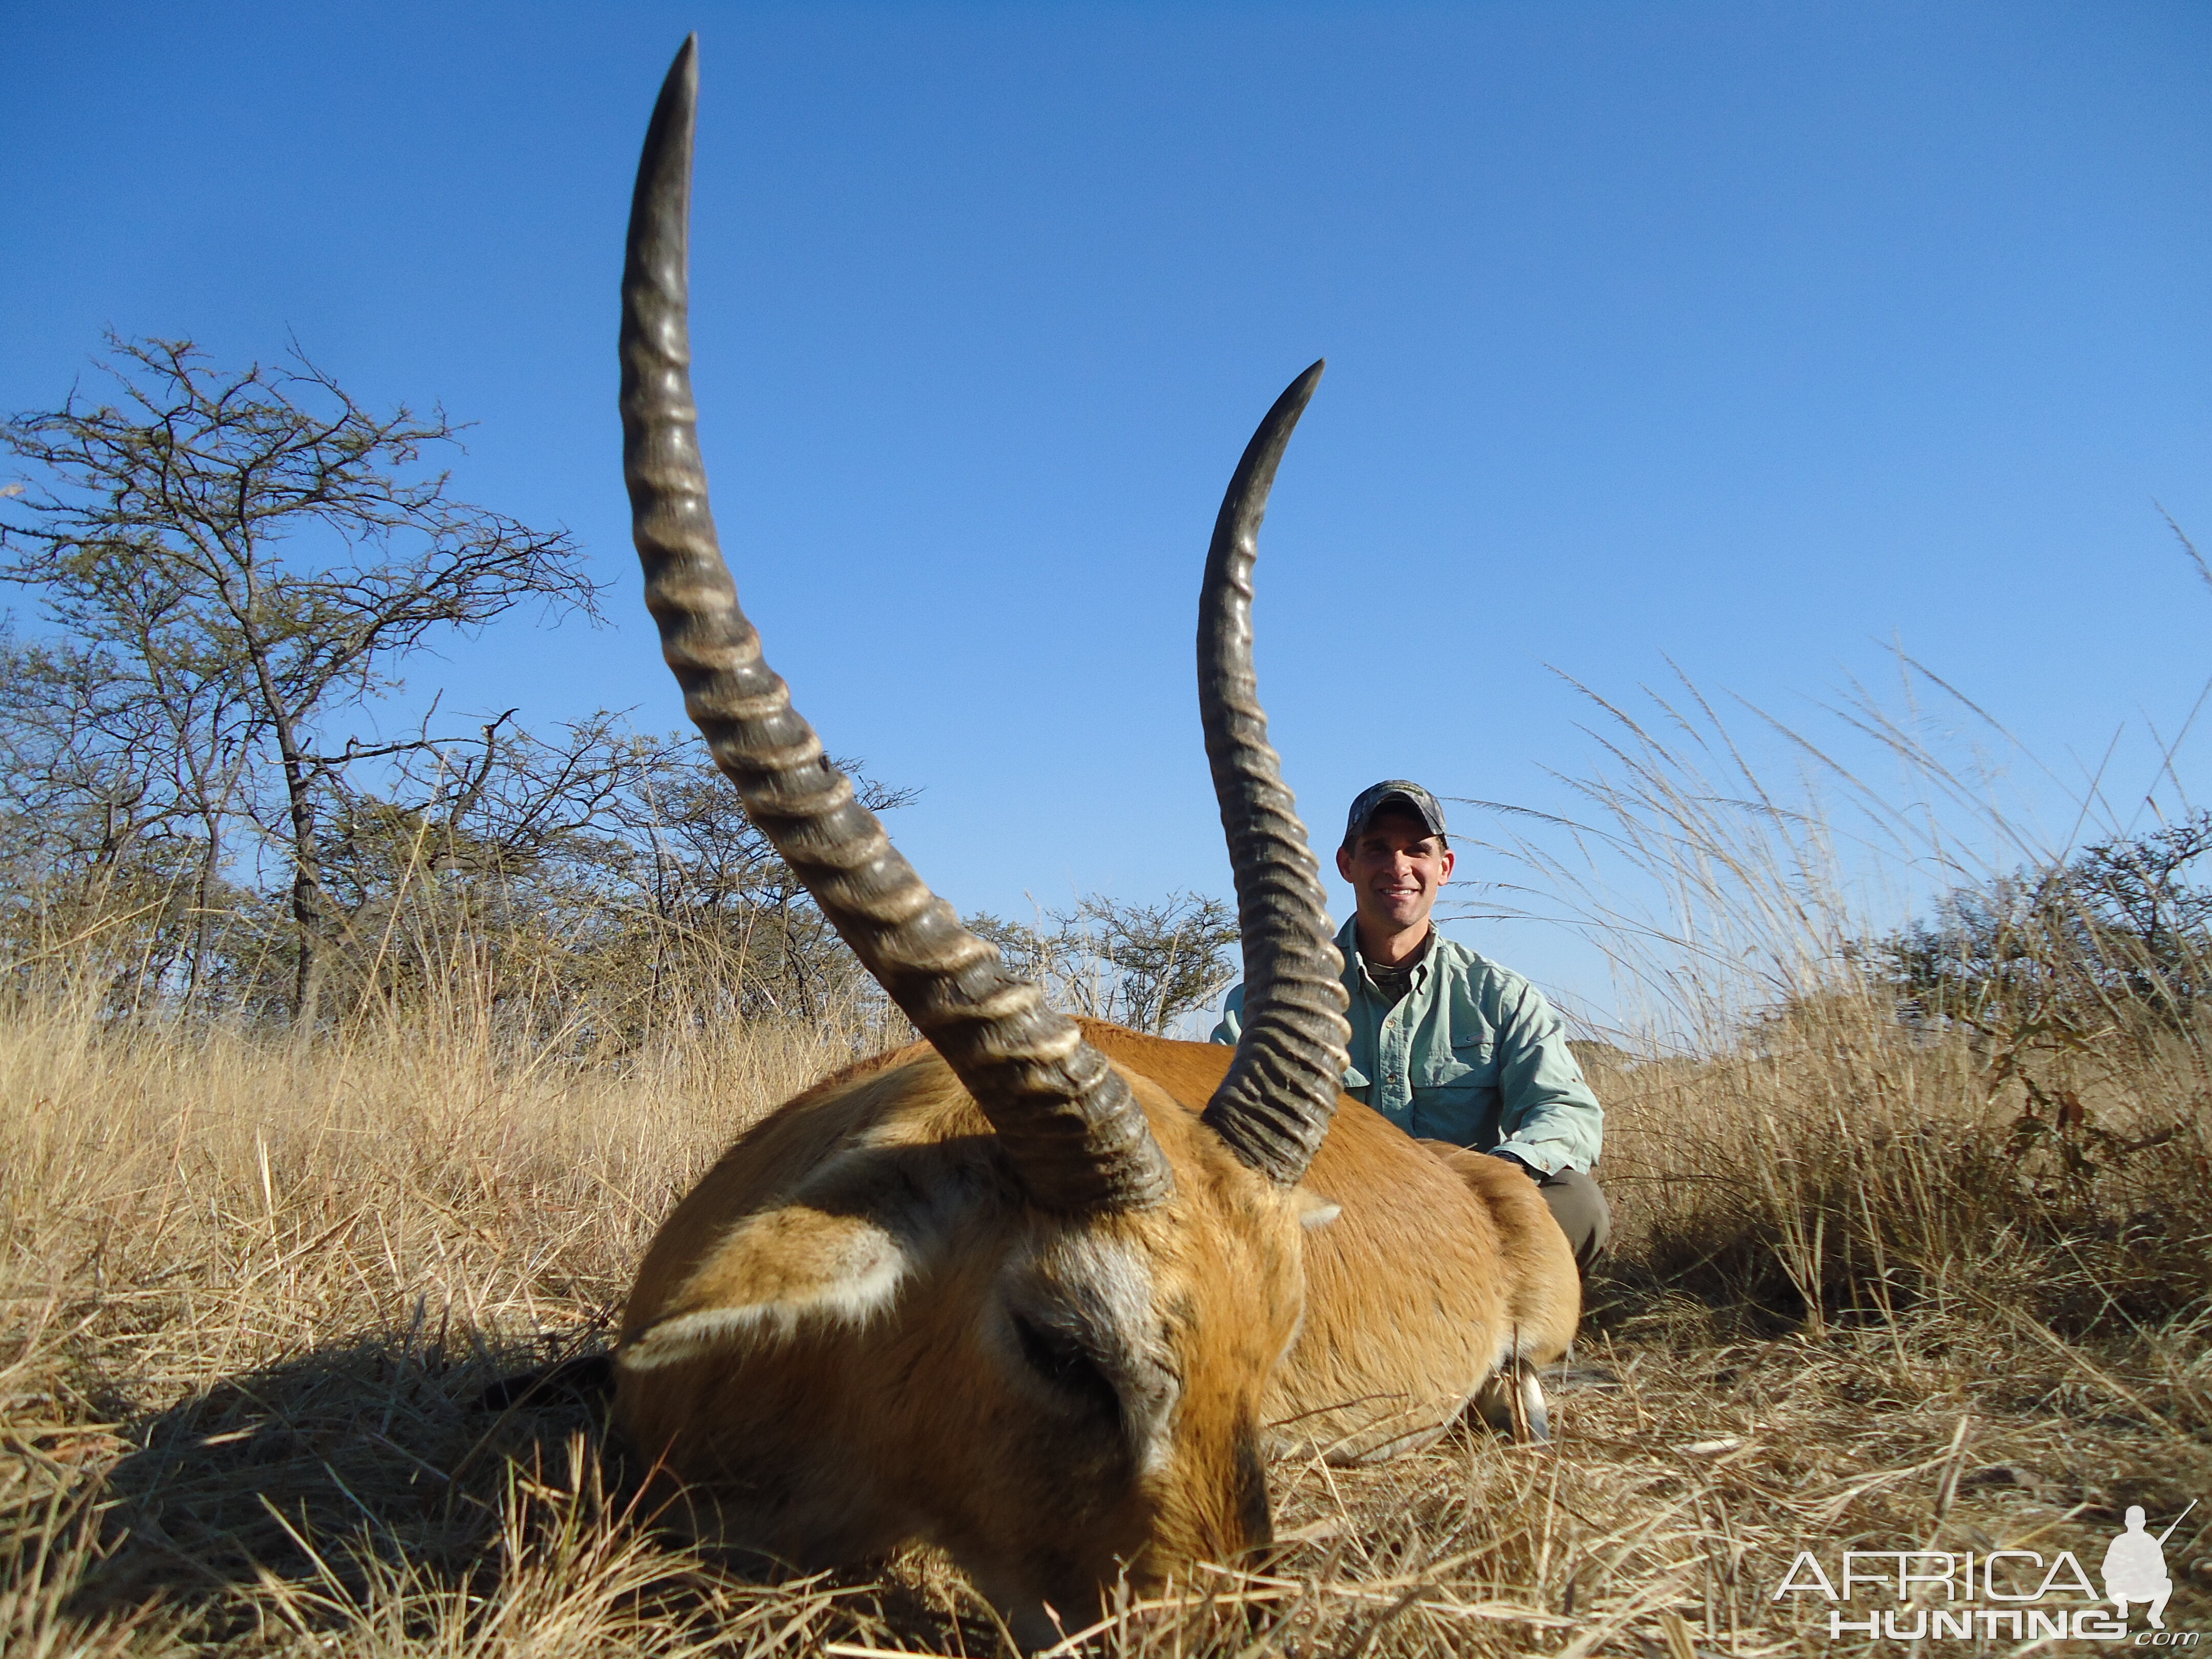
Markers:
<point>248,1282</point>
<point>1865,1293</point>
<point>252,1290</point>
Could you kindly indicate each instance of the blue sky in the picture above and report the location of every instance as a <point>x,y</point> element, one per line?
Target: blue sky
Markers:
<point>1747,338</point>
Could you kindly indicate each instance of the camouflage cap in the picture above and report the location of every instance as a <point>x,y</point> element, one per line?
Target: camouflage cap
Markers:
<point>1393,793</point>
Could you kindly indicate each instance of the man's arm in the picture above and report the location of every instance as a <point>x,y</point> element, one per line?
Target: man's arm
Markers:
<point>1550,1118</point>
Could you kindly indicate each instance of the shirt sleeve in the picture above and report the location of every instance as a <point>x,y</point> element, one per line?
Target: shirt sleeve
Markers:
<point>1232,1018</point>
<point>1548,1117</point>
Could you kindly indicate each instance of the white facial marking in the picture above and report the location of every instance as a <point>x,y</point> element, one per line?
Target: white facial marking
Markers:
<point>1098,1290</point>
<point>853,1282</point>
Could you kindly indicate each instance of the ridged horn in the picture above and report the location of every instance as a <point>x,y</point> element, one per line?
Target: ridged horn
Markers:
<point>1066,1120</point>
<point>1274,1106</point>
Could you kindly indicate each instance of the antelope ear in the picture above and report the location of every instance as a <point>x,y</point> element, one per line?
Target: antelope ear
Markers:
<point>1313,1210</point>
<point>768,1274</point>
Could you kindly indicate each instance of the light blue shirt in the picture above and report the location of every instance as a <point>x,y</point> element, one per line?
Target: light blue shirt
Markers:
<point>1471,1054</point>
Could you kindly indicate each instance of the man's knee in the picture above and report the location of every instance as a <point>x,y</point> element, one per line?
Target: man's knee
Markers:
<point>1581,1211</point>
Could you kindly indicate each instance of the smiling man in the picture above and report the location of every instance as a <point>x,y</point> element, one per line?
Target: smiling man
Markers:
<point>1446,1044</point>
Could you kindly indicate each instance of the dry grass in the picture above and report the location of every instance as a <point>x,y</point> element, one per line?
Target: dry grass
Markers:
<point>251,1291</point>
<point>1871,1289</point>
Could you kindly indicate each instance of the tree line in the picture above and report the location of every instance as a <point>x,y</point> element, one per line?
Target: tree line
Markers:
<point>202,811</point>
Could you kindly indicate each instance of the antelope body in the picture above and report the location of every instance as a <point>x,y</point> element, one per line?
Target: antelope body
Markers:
<point>1040,1291</point>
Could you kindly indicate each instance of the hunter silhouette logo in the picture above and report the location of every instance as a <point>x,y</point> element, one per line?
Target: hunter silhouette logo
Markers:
<point>2134,1567</point>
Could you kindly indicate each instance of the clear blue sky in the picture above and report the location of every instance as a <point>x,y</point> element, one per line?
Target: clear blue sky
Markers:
<point>1747,335</point>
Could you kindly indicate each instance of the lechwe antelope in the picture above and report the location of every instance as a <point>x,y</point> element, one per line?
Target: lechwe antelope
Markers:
<point>1041,1291</point>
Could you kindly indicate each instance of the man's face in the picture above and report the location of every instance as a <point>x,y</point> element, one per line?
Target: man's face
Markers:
<point>1395,868</point>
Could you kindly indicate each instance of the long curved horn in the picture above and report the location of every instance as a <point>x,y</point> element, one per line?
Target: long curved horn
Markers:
<point>1065,1119</point>
<point>1274,1106</point>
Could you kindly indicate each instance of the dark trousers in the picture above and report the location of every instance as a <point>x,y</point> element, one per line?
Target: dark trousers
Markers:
<point>1581,1211</point>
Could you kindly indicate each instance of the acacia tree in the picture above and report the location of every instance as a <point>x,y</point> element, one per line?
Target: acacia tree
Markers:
<point>1142,965</point>
<point>252,554</point>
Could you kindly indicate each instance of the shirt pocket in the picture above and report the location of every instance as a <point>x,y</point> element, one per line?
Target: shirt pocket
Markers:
<point>1455,1095</point>
<point>1471,1063</point>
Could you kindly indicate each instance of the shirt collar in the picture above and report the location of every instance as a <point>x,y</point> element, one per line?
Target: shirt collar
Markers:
<point>1355,959</point>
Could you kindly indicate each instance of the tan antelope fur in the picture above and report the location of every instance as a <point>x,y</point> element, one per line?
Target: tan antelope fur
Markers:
<point>1443,1270</point>
<point>1041,1291</point>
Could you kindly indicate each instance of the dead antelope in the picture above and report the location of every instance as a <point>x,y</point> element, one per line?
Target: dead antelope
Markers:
<point>1038,1291</point>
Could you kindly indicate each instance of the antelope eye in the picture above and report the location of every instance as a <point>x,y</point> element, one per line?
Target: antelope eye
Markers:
<point>1065,1363</point>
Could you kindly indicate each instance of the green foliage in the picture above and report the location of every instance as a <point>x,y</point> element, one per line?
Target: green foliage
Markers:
<point>2113,942</point>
